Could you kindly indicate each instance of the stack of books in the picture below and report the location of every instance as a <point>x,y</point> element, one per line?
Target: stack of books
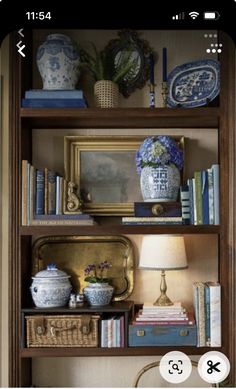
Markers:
<point>40,98</point>
<point>163,315</point>
<point>200,197</point>
<point>112,332</point>
<point>207,305</point>
<point>43,197</point>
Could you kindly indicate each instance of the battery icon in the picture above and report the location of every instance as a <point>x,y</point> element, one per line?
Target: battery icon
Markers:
<point>211,15</point>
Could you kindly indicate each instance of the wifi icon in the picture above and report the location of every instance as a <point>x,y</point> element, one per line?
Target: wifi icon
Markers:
<point>194,14</point>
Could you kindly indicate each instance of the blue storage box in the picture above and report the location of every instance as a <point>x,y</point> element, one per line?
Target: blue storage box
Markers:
<point>152,335</point>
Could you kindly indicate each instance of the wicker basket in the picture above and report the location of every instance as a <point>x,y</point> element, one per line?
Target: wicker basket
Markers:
<point>106,94</point>
<point>62,331</point>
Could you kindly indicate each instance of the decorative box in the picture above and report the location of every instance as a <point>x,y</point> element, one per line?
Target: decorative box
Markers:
<point>62,330</point>
<point>160,209</point>
<point>151,335</point>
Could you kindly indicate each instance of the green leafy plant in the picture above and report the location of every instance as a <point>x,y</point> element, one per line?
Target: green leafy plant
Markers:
<point>103,66</point>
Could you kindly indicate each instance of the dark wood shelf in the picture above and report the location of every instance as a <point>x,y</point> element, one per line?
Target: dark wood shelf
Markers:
<point>117,307</point>
<point>118,230</point>
<point>207,117</point>
<point>111,352</point>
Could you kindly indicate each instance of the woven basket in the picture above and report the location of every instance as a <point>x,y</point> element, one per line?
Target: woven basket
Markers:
<point>106,94</point>
<point>62,331</point>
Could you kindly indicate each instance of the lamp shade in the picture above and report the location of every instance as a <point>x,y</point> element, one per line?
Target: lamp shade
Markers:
<point>164,252</point>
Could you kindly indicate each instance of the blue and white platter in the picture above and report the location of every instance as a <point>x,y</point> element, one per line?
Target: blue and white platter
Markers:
<point>194,84</point>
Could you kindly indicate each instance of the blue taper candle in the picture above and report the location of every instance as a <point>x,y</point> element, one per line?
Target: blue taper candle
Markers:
<point>151,64</point>
<point>164,64</point>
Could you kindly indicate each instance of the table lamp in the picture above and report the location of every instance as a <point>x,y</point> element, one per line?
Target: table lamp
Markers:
<point>163,252</point>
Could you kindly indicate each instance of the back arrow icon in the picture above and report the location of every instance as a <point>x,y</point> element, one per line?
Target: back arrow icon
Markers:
<point>20,48</point>
<point>20,32</point>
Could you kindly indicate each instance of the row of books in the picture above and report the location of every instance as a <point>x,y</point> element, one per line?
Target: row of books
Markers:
<point>207,305</point>
<point>200,197</point>
<point>112,332</point>
<point>40,98</point>
<point>43,197</point>
<point>171,315</point>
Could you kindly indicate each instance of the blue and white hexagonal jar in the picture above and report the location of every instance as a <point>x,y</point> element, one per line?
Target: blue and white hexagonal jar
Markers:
<point>58,60</point>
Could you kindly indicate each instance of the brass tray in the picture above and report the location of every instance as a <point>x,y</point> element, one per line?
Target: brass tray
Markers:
<point>73,253</point>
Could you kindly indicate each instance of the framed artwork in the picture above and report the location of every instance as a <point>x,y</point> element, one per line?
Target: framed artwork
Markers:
<point>104,170</point>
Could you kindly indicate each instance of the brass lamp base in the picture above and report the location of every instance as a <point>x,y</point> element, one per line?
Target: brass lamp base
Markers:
<point>163,300</point>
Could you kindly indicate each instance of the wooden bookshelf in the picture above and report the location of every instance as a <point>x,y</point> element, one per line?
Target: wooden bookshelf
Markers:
<point>23,120</point>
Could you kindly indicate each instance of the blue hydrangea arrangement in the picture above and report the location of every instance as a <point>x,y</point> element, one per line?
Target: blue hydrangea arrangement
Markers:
<point>159,150</point>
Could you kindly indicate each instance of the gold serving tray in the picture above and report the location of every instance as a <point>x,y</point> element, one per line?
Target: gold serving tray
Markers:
<point>73,253</point>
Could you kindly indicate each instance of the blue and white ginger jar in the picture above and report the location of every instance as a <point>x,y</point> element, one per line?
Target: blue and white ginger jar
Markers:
<point>58,60</point>
<point>51,288</point>
<point>98,294</point>
<point>160,183</point>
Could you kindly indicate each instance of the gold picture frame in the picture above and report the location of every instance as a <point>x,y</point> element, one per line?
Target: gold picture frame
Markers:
<point>104,169</point>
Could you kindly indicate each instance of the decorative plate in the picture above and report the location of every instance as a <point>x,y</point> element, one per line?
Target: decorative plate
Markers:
<point>194,84</point>
<point>72,254</point>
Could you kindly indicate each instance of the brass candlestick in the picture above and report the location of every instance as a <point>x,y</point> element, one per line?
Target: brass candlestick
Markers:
<point>164,92</point>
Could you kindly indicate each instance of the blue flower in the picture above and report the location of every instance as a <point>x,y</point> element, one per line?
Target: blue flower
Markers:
<point>159,150</point>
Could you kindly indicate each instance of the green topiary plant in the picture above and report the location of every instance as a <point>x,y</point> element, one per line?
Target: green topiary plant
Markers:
<point>103,66</point>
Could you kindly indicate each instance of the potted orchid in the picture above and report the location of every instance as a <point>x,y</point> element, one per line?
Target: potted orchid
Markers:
<point>159,161</point>
<point>98,292</point>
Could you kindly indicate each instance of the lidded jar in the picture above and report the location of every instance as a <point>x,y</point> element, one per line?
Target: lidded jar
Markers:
<point>51,288</point>
<point>58,60</point>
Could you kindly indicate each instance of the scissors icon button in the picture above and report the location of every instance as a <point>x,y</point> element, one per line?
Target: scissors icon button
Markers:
<point>213,367</point>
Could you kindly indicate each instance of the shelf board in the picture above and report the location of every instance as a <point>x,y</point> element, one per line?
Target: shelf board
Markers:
<point>118,230</point>
<point>117,306</point>
<point>207,117</point>
<point>127,351</point>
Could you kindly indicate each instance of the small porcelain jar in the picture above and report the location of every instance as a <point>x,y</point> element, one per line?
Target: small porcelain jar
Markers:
<point>51,288</point>
<point>98,294</point>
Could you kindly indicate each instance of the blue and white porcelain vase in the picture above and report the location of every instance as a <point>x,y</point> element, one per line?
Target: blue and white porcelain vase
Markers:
<point>98,294</point>
<point>58,60</point>
<point>51,288</point>
<point>160,183</point>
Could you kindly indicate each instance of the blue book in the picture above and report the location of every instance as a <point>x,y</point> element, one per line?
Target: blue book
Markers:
<point>39,200</point>
<point>191,201</point>
<point>205,197</point>
<point>54,103</point>
<point>53,94</point>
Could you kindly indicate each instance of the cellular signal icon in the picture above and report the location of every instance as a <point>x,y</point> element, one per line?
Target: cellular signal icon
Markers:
<point>180,16</point>
<point>193,15</point>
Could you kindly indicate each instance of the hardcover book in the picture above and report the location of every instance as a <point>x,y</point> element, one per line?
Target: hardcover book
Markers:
<point>54,103</point>
<point>53,94</point>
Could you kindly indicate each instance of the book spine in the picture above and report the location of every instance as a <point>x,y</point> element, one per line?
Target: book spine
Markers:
<point>210,196</point>
<point>32,193</point>
<point>118,337</point>
<point>196,310</point>
<point>45,94</point>
<point>198,195</point>
<point>109,332</point>
<point>103,333</point>
<point>205,198</point>
<point>39,205</point>
<point>51,192</point>
<point>61,188</point>
<point>191,203</point>
<point>62,222</point>
<point>153,223</point>
<point>215,315</point>
<point>24,193</point>
<point>28,193</point>
<point>185,203</point>
<point>194,202</point>
<point>54,103</point>
<point>81,216</point>
<point>58,194</point>
<point>207,315</point>
<point>46,191</point>
<point>216,190</point>
<point>122,331</point>
<point>201,311</point>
